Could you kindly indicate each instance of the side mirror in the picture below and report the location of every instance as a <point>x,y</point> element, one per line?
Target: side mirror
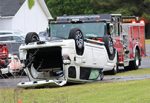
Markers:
<point>111,29</point>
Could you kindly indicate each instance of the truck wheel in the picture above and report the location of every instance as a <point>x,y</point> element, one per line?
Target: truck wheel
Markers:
<point>77,35</point>
<point>109,46</point>
<point>135,63</point>
<point>115,69</point>
<point>31,37</point>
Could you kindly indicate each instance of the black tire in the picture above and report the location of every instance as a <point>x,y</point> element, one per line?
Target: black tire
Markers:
<point>133,65</point>
<point>114,70</point>
<point>108,41</point>
<point>31,37</point>
<point>77,35</point>
<point>137,60</point>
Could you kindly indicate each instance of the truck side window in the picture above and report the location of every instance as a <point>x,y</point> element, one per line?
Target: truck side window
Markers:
<point>111,26</point>
<point>108,29</point>
<point>117,27</point>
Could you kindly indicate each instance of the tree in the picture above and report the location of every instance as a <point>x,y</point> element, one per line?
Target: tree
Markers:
<point>125,7</point>
<point>69,7</point>
<point>31,3</point>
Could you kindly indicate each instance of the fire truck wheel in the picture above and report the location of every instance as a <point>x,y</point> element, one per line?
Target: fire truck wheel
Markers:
<point>77,35</point>
<point>115,69</point>
<point>31,37</point>
<point>135,63</point>
<point>108,41</point>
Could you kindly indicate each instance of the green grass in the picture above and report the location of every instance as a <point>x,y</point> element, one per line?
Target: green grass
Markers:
<point>119,92</point>
<point>98,92</point>
<point>147,41</point>
<point>135,72</point>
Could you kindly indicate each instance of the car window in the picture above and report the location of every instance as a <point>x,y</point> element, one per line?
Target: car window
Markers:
<point>8,38</point>
<point>43,34</point>
<point>5,33</point>
<point>95,29</point>
<point>17,33</point>
<point>17,39</point>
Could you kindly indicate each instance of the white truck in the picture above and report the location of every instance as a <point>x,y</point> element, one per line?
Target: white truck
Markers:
<point>70,55</point>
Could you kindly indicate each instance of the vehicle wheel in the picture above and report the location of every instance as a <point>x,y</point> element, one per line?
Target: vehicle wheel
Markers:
<point>77,35</point>
<point>31,37</point>
<point>135,63</point>
<point>108,41</point>
<point>115,69</point>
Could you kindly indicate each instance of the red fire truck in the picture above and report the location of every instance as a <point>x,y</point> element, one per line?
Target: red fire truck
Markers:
<point>128,34</point>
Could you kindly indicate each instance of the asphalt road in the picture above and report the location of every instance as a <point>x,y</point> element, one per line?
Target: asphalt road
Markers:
<point>11,82</point>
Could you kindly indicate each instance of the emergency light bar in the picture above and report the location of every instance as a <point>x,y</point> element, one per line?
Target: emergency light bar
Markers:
<point>129,19</point>
<point>132,19</point>
<point>142,21</point>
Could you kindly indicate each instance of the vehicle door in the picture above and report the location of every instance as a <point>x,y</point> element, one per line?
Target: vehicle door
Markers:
<point>126,37</point>
<point>115,32</point>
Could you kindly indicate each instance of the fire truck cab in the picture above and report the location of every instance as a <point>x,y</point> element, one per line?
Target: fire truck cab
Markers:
<point>128,35</point>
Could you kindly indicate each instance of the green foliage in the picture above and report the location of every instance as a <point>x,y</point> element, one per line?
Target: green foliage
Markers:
<point>145,15</point>
<point>69,7</point>
<point>31,3</point>
<point>76,7</point>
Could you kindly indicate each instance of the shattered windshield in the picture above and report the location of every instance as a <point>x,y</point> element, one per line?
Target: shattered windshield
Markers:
<point>62,30</point>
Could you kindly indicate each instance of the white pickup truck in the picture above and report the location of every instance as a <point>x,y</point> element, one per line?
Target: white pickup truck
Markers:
<point>71,54</point>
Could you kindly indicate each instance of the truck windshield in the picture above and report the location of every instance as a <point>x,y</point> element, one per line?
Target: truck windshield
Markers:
<point>88,29</point>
